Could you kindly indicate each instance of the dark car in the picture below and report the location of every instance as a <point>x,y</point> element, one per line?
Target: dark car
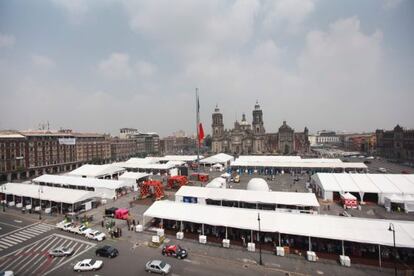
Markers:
<point>107,251</point>
<point>110,212</point>
<point>367,162</point>
<point>175,251</point>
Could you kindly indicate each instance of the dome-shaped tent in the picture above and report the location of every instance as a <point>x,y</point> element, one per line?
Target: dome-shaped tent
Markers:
<point>257,184</point>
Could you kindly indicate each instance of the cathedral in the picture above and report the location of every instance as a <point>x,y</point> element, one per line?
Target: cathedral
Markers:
<point>247,139</point>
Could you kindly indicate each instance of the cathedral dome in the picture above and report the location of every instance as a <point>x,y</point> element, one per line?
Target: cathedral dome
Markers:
<point>258,184</point>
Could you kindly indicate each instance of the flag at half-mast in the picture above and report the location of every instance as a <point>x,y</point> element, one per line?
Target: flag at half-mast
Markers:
<point>199,125</point>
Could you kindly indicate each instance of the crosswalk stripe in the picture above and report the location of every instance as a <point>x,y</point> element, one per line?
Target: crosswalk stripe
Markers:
<point>3,246</point>
<point>28,233</point>
<point>13,239</point>
<point>20,235</point>
<point>8,242</point>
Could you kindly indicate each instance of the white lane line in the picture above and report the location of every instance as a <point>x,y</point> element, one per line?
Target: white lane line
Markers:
<point>68,260</point>
<point>11,225</point>
<point>30,268</point>
<point>20,228</point>
<point>8,242</point>
<point>33,254</point>
<point>20,256</point>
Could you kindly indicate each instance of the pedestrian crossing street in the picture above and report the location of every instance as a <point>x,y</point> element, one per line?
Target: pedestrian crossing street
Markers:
<point>21,235</point>
<point>33,259</point>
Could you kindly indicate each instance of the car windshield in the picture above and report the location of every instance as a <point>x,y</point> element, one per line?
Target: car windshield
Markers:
<point>92,262</point>
<point>162,264</point>
<point>97,233</point>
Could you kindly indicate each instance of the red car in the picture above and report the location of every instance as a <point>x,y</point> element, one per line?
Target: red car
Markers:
<point>405,172</point>
<point>175,251</point>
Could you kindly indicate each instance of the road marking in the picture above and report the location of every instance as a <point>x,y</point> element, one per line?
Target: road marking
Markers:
<point>19,228</point>
<point>8,224</point>
<point>18,221</point>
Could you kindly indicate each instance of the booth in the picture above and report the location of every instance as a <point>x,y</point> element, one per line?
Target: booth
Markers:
<point>349,200</point>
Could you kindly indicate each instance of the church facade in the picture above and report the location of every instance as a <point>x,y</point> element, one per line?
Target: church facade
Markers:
<point>251,139</point>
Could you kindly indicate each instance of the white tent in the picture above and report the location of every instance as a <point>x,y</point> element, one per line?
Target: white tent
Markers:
<point>258,184</point>
<point>220,158</point>
<point>97,171</point>
<point>406,201</point>
<point>361,230</point>
<point>217,182</point>
<point>265,197</point>
<point>382,185</point>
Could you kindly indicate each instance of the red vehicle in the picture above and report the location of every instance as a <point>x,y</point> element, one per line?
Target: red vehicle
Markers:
<point>203,177</point>
<point>122,214</point>
<point>174,251</point>
<point>405,172</point>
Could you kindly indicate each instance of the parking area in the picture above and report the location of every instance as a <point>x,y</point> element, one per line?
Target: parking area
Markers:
<point>33,258</point>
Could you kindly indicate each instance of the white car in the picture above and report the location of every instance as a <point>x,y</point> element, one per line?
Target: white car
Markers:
<point>88,265</point>
<point>66,226</point>
<point>95,235</point>
<point>382,170</point>
<point>81,230</point>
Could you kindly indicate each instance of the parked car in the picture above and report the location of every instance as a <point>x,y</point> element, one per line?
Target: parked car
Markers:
<point>60,251</point>
<point>174,251</point>
<point>88,265</point>
<point>65,226</point>
<point>95,235</point>
<point>405,172</point>
<point>7,273</point>
<point>157,266</point>
<point>107,251</point>
<point>81,229</point>
<point>370,158</point>
<point>367,162</point>
<point>382,170</point>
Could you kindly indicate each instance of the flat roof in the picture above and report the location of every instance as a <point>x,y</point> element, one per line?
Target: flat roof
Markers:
<point>96,170</point>
<point>362,230</point>
<point>133,175</point>
<point>283,198</point>
<point>55,194</point>
<point>80,181</point>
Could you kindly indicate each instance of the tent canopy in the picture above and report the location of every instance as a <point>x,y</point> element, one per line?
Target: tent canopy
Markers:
<point>58,195</point>
<point>282,198</point>
<point>362,230</point>
<point>221,158</point>
<point>79,181</point>
<point>96,171</point>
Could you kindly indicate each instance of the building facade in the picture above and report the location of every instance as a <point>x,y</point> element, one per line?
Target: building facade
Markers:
<point>26,154</point>
<point>122,149</point>
<point>396,144</point>
<point>248,139</point>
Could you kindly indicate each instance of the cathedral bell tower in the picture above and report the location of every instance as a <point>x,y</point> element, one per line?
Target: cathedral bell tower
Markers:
<point>217,131</point>
<point>257,124</point>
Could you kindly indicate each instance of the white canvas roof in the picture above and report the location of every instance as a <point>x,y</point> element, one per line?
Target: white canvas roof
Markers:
<point>151,166</point>
<point>64,195</point>
<point>284,198</point>
<point>366,183</point>
<point>133,175</point>
<point>184,158</point>
<point>294,162</point>
<point>96,170</point>
<point>363,230</point>
<point>218,158</point>
<point>79,181</point>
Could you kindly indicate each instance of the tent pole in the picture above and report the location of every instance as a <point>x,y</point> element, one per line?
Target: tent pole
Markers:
<point>251,236</point>
<point>343,248</point>
<point>379,255</point>
<point>202,229</point>
<point>181,226</point>
<point>226,232</point>
<point>279,239</point>
<point>310,244</point>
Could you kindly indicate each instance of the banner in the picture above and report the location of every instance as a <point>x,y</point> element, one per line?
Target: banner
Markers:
<point>67,141</point>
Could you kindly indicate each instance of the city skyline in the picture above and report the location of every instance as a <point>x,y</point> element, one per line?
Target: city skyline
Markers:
<point>103,65</point>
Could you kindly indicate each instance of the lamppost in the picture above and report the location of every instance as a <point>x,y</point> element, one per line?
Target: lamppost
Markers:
<point>260,243</point>
<point>40,190</point>
<point>392,228</point>
<point>3,197</point>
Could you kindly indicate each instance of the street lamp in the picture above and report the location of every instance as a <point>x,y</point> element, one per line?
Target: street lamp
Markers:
<point>40,190</point>
<point>3,197</point>
<point>260,243</point>
<point>392,228</point>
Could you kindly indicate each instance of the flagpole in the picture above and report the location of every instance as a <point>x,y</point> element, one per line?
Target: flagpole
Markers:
<point>197,126</point>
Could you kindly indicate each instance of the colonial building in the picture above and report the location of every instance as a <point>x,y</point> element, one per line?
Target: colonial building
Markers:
<point>396,144</point>
<point>26,154</point>
<point>247,138</point>
<point>122,149</point>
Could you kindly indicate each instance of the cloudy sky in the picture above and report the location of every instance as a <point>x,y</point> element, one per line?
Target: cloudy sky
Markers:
<point>100,65</point>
